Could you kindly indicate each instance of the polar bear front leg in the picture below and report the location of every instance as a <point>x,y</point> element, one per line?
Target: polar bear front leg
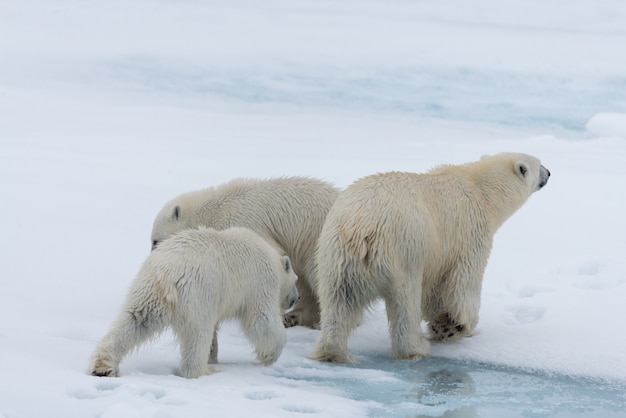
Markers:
<point>307,311</point>
<point>460,305</point>
<point>266,332</point>
<point>444,328</point>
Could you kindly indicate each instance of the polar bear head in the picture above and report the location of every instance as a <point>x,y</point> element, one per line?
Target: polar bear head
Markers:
<point>175,216</point>
<point>526,168</point>
<point>531,171</point>
<point>288,291</point>
<point>506,181</point>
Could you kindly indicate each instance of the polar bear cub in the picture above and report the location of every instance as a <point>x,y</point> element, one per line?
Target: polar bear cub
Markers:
<point>421,243</point>
<point>192,282</point>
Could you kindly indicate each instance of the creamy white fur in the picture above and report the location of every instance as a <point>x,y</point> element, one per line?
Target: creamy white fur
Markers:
<point>192,282</point>
<point>420,242</point>
<point>288,212</point>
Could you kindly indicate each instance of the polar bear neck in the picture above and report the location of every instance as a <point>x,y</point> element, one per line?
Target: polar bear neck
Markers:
<point>501,191</point>
<point>494,182</point>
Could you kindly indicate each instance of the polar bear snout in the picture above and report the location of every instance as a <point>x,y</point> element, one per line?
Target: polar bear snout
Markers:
<point>544,175</point>
<point>293,302</point>
<point>292,299</point>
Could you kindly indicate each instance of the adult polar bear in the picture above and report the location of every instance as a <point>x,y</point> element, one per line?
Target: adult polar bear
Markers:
<point>419,241</point>
<point>192,282</point>
<point>288,212</point>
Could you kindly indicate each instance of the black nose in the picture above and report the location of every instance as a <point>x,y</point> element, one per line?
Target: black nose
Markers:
<point>548,172</point>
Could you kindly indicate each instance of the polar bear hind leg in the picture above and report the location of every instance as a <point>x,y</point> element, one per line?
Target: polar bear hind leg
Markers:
<point>195,347</point>
<point>343,306</point>
<point>132,328</point>
<point>403,312</point>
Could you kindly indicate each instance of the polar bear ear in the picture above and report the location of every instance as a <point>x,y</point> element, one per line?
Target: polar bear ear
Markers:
<point>176,213</point>
<point>485,156</point>
<point>286,263</point>
<point>521,168</point>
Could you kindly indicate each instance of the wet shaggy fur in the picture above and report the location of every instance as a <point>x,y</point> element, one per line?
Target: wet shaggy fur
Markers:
<point>288,212</point>
<point>192,282</point>
<point>421,243</point>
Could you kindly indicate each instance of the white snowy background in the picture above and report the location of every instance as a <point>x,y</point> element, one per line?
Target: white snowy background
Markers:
<point>109,109</point>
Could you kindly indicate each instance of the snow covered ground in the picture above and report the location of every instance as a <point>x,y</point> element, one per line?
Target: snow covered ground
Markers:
<point>109,109</point>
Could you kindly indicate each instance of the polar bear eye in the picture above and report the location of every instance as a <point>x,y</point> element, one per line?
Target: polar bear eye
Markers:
<point>154,244</point>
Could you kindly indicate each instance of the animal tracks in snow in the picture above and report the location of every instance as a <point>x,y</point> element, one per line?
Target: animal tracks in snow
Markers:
<point>260,396</point>
<point>531,310</point>
<point>107,389</point>
<point>523,315</point>
<point>528,291</point>
<point>597,275</point>
<point>527,303</point>
<point>272,396</point>
<point>592,274</point>
<point>97,391</point>
<point>301,409</point>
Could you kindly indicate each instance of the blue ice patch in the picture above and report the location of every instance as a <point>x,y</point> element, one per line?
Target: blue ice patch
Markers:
<point>441,387</point>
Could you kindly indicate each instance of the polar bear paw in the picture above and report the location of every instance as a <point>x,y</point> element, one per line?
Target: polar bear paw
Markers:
<point>444,328</point>
<point>301,317</point>
<point>267,357</point>
<point>330,356</point>
<point>103,369</point>
<point>290,320</point>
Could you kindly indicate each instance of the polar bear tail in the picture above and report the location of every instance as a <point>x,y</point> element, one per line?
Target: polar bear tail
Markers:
<point>359,238</point>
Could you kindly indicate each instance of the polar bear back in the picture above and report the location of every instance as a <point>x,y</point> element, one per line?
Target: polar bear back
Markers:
<point>287,211</point>
<point>430,219</point>
<point>395,218</point>
<point>420,242</point>
<point>236,264</point>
